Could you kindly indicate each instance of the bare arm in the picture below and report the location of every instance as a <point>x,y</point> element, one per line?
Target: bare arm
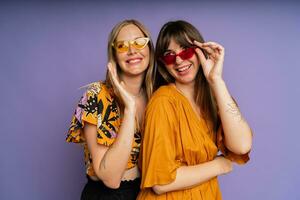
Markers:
<point>238,136</point>
<point>110,163</point>
<point>190,176</point>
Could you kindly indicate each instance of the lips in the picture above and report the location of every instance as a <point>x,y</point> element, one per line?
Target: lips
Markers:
<point>134,60</point>
<point>183,70</point>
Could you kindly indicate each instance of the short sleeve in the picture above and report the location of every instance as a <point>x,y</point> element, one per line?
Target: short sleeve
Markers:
<point>158,153</point>
<point>239,159</point>
<point>96,107</point>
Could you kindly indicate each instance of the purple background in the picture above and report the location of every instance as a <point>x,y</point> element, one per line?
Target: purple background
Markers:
<point>48,50</point>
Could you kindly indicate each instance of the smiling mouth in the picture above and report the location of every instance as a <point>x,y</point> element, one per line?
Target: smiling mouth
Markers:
<point>182,69</point>
<point>133,61</point>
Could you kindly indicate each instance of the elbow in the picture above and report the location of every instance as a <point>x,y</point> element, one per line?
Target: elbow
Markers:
<point>241,146</point>
<point>240,149</point>
<point>246,145</point>
<point>243,151</point>
<point>244,148</point>
<point>112,184</point>
<point>157,189</point>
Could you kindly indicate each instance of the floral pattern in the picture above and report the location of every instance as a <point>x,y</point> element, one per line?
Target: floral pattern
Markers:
<point>98,107</point>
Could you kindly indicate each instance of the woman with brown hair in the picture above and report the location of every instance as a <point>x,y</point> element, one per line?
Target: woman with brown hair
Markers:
<point>189,119</point>
<point>108,118</point>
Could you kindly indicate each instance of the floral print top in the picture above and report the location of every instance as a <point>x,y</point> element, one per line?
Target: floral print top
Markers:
<point>98,106</point>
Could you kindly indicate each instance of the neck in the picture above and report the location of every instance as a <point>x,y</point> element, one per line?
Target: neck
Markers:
<point>133,83</point>
<point>187,90</point>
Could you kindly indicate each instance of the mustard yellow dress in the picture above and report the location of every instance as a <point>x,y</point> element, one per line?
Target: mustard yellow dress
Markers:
<point>175,136</point>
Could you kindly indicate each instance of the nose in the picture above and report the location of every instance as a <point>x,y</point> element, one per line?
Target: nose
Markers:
<point>178,60</point>
<point>131,49</point>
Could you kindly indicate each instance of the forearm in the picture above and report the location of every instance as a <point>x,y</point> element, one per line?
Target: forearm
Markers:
<point>114,162</point>
<point>238,136</point>
<point>190,176</point>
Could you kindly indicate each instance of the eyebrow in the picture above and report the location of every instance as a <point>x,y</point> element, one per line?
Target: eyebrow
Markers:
<point>132,39</point>
<point>168,51</point>
<point>184,46</point>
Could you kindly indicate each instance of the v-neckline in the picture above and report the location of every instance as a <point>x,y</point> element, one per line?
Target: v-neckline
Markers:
<point>198,117</point>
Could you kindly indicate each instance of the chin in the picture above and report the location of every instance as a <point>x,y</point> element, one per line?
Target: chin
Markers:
<point>136,73</point>
<point>186,80</point>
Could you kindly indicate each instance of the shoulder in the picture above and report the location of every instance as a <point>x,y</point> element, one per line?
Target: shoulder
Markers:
<point>97,89</point>
<point>165,92</point>
<point>163,97</point>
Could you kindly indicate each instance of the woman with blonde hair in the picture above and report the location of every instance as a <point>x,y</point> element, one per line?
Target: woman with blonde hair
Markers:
<point>108,118</point>
<point>189,119</point>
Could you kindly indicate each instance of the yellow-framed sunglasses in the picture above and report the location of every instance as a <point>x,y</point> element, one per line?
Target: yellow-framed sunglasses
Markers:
<point>138,44</point>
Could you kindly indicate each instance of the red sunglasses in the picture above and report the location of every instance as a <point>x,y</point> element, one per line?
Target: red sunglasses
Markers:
<point>170,57</point>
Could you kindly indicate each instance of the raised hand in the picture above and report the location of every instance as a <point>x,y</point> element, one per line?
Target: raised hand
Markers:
<point>127,98</point>
<point>212,65</point>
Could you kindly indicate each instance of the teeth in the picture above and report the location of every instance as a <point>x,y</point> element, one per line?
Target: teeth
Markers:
<point>134,60</point>
<point>183,69</point>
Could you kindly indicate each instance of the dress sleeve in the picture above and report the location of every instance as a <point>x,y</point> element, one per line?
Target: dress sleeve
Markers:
<point>240,159</point>
<point>98,108</point>
<point>158,155</point>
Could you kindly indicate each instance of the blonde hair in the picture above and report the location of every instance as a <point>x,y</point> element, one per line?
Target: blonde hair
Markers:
<point>111,53</point>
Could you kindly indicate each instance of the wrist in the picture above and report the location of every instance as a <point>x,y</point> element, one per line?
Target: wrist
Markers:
<point>216,81</point>
<point>218,167</point>
<point>130,110</point>
<point>130,105</point>
<point>217,85</point>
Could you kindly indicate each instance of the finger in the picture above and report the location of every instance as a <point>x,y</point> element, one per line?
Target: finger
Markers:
<point>214,51</point>
<point>109,66</point>
<point>122,84</point>
<point>113,75</point>
<point>218,53</point>
<point>113,69</point>
<point>210,51</point>
<point>123,91</point>
<point>110,70</point>
<point>189,40</point>
<point>121,87</point>
<point>207,49</point>
<point>211,43</point>
<point>197,43</point>
<point>221,50</point>
<point>214,45</point>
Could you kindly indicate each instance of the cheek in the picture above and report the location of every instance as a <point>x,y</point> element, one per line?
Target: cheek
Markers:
<point>120,59</point>
<point>146,53</point>
<point>169,69</point>
<point>196,62</point>
<point>118,56</point>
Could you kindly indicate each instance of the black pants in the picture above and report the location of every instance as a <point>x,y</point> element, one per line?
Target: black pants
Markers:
<point>96,190</point>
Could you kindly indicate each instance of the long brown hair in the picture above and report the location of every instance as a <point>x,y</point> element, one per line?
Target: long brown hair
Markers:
<point>111,53</point>
<point>182,31</point>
